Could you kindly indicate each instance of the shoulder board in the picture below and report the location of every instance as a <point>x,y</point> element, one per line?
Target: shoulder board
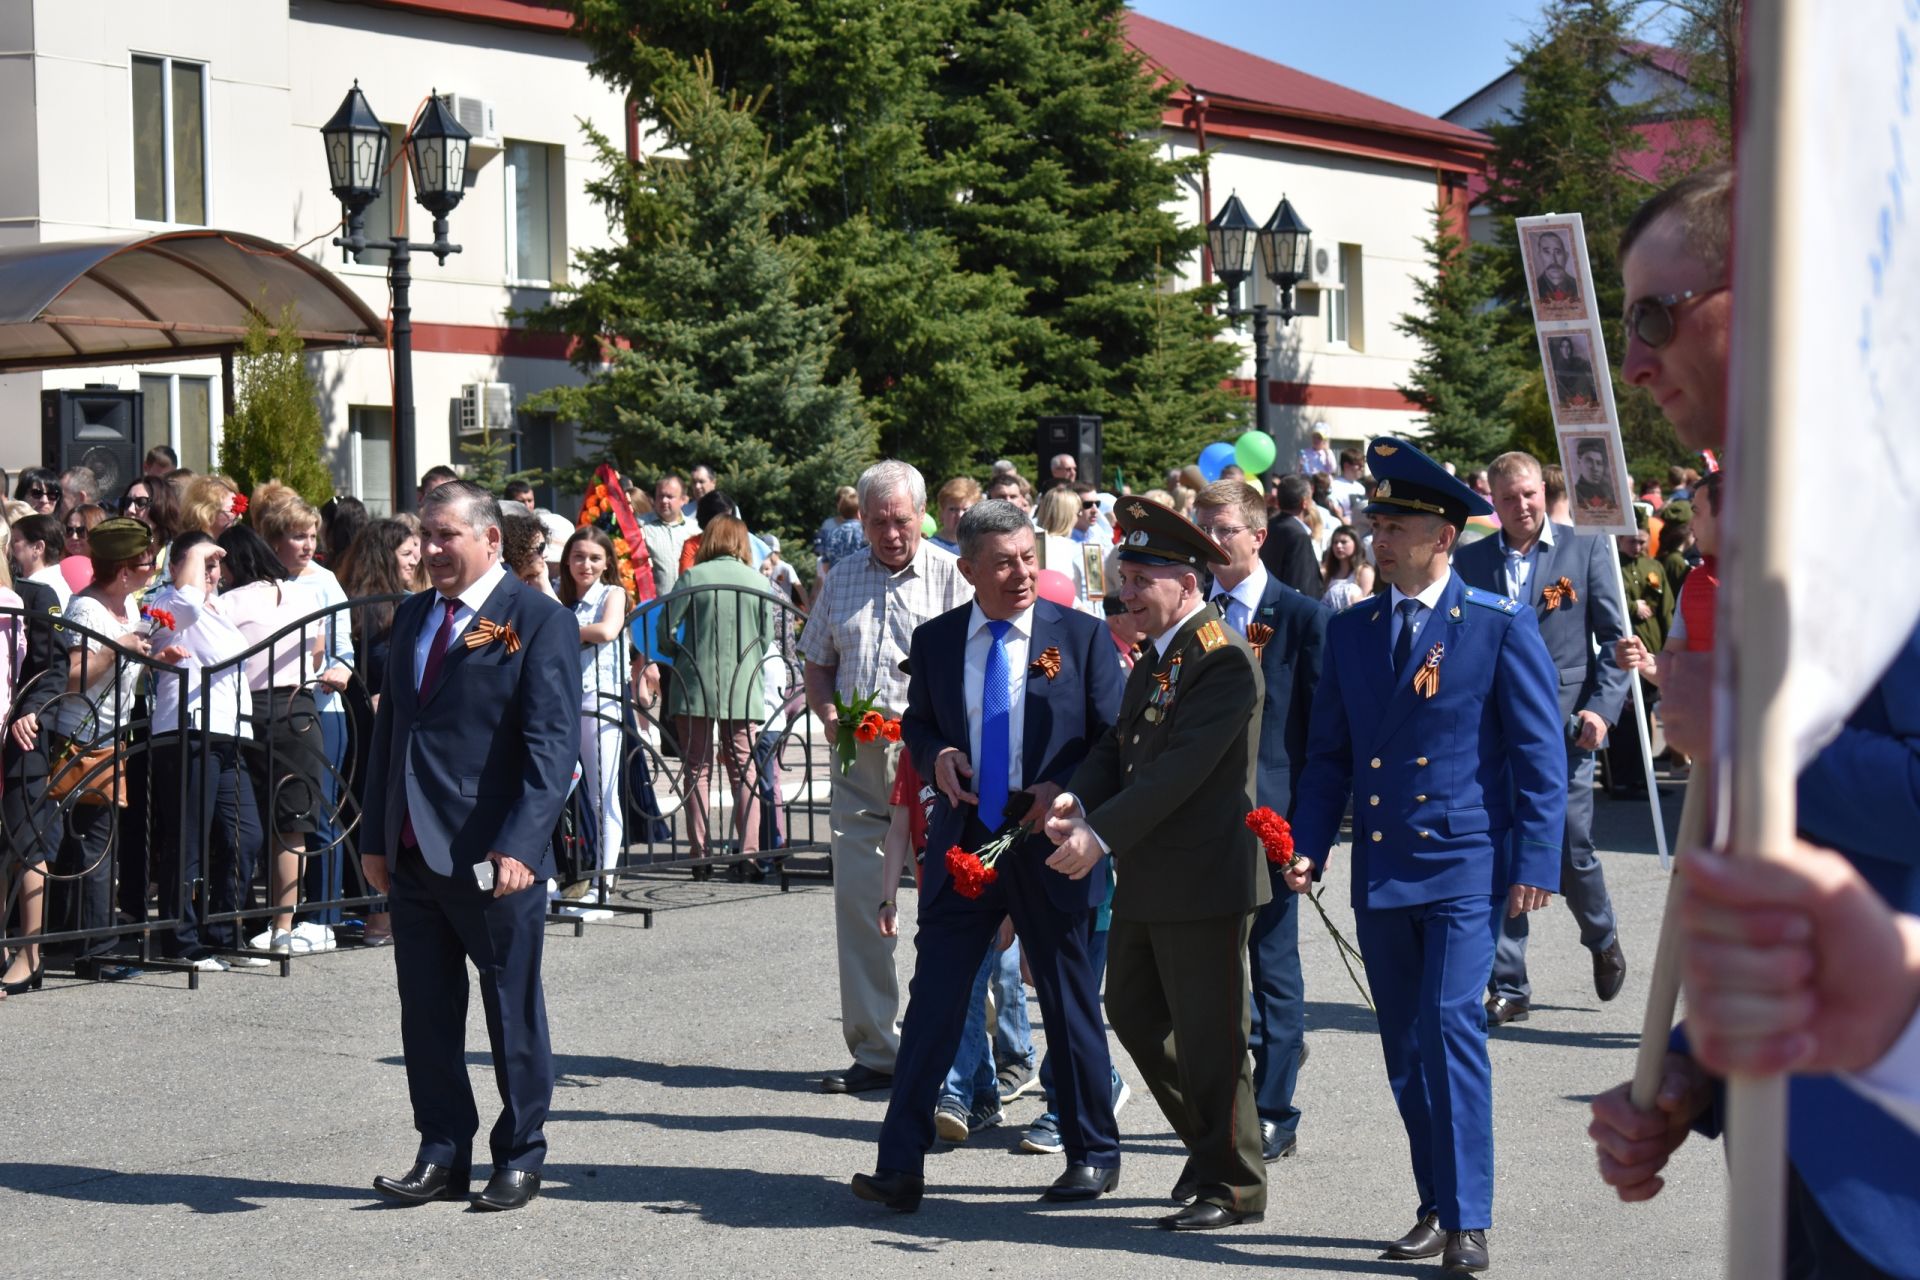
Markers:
<point>1487,600</point>
<point>1212,636</point>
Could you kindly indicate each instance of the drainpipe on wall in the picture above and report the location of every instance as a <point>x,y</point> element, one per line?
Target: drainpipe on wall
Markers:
<point>1197,109</point>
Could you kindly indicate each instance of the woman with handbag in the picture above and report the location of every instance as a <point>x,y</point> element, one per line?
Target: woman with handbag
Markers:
<point>87,777</point>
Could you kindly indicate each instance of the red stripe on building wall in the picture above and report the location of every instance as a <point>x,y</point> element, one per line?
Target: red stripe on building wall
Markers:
<point>489,340</point>
<point>538,14</point>
<point>1321,395</point>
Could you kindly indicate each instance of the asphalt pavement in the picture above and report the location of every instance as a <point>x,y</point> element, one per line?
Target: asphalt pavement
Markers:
<point>233,1131</point>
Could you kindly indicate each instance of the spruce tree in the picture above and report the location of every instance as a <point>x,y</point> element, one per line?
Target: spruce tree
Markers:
<point>1465,372</point>
<point>275,432</point>
<point>709,353</point>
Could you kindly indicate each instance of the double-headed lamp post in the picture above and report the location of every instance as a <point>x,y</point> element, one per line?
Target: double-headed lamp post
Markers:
<point>357,154</point>
<point>1283,245</point>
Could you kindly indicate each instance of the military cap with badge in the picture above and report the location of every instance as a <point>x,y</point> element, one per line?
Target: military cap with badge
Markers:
<point>1153,534</point>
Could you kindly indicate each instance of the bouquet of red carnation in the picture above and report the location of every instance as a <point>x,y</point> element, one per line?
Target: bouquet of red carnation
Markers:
<point>973,872</point>
<point>1276,838</point>
<point>162,619</point>
<point>237,505</point>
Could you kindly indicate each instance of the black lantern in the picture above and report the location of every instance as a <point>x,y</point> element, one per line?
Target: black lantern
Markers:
<point>1285,243</point>
<point>356,151</point>
<point>1231,236</point>
<point>437,154</point>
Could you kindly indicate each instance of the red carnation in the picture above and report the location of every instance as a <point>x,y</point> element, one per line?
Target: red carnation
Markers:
<point>970,876</point>
<point>866,732</point>
<point>238,507</point>
<point>1275,833</point>
<point>161,618</point>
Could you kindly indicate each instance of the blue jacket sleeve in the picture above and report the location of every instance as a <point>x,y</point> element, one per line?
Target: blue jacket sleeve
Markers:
<point>1861,794</point>
<point>1527,696</point>
<point>549,714</point>
<point>1321,792</point>
<point>1306,681</point>
<point>1105,685</point>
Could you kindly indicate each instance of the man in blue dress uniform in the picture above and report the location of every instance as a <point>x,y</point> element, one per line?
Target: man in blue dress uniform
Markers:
<point>1438,712</point>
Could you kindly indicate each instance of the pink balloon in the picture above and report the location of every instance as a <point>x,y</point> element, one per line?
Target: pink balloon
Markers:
<point>1051,584</point>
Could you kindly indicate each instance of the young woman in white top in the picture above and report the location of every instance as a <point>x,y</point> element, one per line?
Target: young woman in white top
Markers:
<point>590,586</point>
<point>291,527</point>
<point>200,720</point>
<point>35,545</point>
<point>1059,509</point>
<point>1344,568</point>
<point>93,715</point>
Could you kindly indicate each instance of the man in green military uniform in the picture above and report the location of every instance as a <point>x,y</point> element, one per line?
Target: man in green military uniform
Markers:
<point>1676,520</point>
<point>1168,793</point>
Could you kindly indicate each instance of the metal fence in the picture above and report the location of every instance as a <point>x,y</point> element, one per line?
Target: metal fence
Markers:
<point>150,818</point>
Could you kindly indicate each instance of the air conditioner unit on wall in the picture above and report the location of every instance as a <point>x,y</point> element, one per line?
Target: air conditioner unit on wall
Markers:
<point>486,406</point>
<point>1323,266</point>
<point>476,117</point>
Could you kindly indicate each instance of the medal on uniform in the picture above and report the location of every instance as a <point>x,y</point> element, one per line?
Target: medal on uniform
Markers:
<point>1426,681</point>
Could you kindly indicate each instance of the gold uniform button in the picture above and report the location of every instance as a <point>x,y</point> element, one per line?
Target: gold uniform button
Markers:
<point>1376,762</point>
<point>1377,837</point>
<point>1422,762</point>
<point>1136,739</point>
<point>1373,800</point>
<point>1426,835</point>
<point>1419,799</point>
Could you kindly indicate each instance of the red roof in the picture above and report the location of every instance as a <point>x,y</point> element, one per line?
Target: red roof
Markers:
<point>1223,72</point>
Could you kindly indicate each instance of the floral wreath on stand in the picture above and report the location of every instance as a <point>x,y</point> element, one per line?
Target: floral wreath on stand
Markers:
<point>605,507</point>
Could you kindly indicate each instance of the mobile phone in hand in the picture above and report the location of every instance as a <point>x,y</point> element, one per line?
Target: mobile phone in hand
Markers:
<point>483,874</point>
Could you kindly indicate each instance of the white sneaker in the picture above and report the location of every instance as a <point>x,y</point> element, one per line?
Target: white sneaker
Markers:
<point>589,914</point>
<point>210,964</point>
<point>271,940</point>
<point>246,962</point>
<point>318,936</point>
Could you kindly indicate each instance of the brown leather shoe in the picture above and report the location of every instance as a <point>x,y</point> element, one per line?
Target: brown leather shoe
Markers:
<point>1466,1253</point>
<point>1426,1240</point>
<point>1609,971</point>
<point>1502,1009</point>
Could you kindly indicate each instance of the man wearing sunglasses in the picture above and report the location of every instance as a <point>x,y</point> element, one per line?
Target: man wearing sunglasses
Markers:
<point>1853,1204</point>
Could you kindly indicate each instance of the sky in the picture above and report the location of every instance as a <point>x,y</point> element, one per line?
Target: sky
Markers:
<point>1428,55</point>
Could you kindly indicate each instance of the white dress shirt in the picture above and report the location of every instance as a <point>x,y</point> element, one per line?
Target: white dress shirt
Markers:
<point>52,577</point>
<point>1240,604</point>
<point>210,640</point>
<point>1893,1083</point>
<point>1165,638</point>
<point>1520,567</point>
<point>974,681</point>
<point>1429,600</point>
<point>468,609</point>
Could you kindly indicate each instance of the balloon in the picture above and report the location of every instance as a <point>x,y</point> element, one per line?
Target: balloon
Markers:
<point>1054,586</point>
<point>929,526</point>
<point>1214,459</point>
<point>1254,451</point>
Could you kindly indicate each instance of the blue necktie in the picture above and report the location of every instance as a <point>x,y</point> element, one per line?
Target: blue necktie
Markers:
<point>1403,647</point>
<point>996,719</point>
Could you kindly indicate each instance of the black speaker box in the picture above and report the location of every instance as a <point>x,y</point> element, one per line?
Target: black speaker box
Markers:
<point>97,428</point>
<point>1074,433</point>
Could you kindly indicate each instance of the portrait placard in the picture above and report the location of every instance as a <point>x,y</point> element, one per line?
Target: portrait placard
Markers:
<point>1599,494</point>
<point>1557,278</point>
<point>1096,564</point>
<point>1574,377</point>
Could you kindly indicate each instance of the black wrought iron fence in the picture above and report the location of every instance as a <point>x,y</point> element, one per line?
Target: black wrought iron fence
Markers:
<point>198,808</point>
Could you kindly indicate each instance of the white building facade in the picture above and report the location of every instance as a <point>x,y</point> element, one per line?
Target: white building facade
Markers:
<point>132,115</point>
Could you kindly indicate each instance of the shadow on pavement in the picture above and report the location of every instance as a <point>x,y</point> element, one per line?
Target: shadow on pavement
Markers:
<point>578,1071</point>
<point>202,1193</point>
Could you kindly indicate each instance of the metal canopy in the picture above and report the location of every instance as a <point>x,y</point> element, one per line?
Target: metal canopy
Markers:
<point>174,295</point>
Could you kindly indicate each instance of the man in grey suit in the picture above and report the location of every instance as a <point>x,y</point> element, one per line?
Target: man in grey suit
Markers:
<point>1568,582</point>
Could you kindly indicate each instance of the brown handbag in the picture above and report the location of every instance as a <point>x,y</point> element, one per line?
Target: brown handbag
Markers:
<point>90,773</point>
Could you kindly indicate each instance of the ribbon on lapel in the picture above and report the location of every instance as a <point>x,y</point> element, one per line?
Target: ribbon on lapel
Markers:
<point>1559,593</point>
<point>1258,633</point>
<point>485,631</point>
<point>1048,663</point>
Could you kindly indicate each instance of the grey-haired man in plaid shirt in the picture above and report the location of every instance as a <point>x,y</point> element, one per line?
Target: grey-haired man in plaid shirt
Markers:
<point>856,637</point>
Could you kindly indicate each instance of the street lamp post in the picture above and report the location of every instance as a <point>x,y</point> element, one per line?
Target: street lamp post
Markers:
<point>1283,245</point>
<point>357,161</point>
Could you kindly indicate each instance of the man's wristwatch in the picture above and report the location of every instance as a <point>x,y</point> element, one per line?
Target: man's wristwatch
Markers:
<point>885,903</point>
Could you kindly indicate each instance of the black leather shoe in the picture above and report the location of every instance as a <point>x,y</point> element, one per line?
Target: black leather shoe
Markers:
<point>1426,1240</point>
<point>508,1189</point>
<point>900,1192</point>
<point>1609,971</point>
<point>857,1079</point>
<point>1273,1144</point>
<point>1084,1182</point>
<point>1466,1253</point>
<point>1204,1215</point>
<point>1183,1192</point>
<point>1504,1009</point>
<point>425,1182</point>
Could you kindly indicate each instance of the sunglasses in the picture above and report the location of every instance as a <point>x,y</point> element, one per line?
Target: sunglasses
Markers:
<point>136,504</point>
<point>41,491</point>
<point>1090,506</point>
<point>76,531</point>
<point>1652,319</point>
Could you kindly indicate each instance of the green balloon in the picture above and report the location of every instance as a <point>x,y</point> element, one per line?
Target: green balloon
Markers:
<point>929,526</point>
<point>1254,451</point>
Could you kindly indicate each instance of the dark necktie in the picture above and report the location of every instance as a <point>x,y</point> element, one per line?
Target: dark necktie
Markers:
<point>436,656</point>
<point>1403,647</point>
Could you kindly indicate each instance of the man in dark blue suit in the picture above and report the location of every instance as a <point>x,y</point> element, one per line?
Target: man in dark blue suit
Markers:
<point>1437,714</point>
<point>1567,580</point>
<point>473,752</point>
<point>1287,631</point>
<point>1006,696</point>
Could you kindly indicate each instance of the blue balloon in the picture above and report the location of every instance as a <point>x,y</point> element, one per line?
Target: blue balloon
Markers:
<point>1214,459</point>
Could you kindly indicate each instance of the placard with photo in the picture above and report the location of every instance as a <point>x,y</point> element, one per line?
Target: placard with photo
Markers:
<point>1557,274</point>
<point>1599,494</point>
<point>1574,377</point>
